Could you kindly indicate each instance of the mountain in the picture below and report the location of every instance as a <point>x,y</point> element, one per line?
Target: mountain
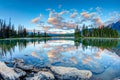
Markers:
<point>53,35</point>
<point>115,26</point>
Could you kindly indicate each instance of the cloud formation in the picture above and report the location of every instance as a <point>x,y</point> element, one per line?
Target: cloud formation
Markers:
<point>74,14</point>
<point>53,21</point>
<point>67,19</point>
<point>113,18</point>
<point>35,20</point>
<point>57,21</point>
<point>93,17</point>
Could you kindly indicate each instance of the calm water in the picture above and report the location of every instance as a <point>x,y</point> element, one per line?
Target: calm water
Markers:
<point>93,55</point>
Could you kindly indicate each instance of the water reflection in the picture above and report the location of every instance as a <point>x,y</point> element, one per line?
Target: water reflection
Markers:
<point>9,45</point>
<point>91,54</point>
<point>102,43</point>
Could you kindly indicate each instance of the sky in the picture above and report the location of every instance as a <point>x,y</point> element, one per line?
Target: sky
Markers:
<point>59,16</point>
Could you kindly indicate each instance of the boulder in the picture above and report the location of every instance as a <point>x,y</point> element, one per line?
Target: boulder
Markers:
<point>19,63</point>
<point>18,60</point>
<point>26,67</point>
<point>42,75</point>
<point>63,73</point>
<point>7,73</point>
<point>20,72</point>
<point>39,68</point>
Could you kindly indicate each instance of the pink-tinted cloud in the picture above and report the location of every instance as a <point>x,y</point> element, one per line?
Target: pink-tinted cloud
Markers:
<point>74,14</point>
<point>46,28</point>
<point>63,12</point>
<point>61,19</point>
<point>93,17</point>
<point>35,20</point>
<point>88,15</point>
<point>53,21</point>
<point>85,14</point>
<point>98,21</point>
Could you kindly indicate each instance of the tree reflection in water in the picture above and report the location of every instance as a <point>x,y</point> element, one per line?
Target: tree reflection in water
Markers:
<point>89,54</point>
<point>9,45</point>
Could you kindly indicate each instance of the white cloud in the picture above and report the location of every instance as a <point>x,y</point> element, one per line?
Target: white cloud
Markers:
<point>67,19</point>
<point>74,14</point>
<point>35,20</point>
<point>38,19</point>
<point>113,18</point>
<point>99,9</point>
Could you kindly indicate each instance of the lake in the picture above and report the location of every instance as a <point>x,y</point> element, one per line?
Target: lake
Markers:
<point>100,56</point>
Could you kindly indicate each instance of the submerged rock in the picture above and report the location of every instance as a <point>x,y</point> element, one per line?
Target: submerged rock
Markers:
<point>20,72</point>
<point>18,60</point>
<point>7,73</point>
<point>63,73</point>
<point>25,67</point>
<point>19,63</point>
<point>42,75</point>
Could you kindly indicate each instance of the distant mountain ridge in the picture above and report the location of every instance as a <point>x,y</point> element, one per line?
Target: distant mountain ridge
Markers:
<point>115,26</point>
<point>54,35</point>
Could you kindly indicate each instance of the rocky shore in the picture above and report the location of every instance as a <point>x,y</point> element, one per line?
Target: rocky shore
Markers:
<point>20,71</point>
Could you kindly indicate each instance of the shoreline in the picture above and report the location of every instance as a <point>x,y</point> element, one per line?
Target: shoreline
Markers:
<point>21,71</point>
<point>59,38</point>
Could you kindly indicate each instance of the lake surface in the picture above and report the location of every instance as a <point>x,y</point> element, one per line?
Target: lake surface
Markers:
<point>95,55</point>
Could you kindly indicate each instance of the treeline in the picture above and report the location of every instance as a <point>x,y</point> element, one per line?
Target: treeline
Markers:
<point>96,32</point>
<point>101,43</point>
<point>9,45</point>
<point>7,30</point>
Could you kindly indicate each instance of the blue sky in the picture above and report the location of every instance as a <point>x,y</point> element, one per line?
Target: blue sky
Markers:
<point>44,14</point>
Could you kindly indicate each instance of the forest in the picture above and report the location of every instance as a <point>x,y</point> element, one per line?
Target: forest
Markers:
<point>7,30</point>
<point>105,32</point>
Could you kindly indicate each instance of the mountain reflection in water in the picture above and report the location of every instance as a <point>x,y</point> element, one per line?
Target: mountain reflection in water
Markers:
<point>90,54</point>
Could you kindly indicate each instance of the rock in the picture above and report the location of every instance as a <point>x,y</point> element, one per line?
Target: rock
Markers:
<point>7,73</point>
<point>25,67</point>
<point>18,60</point>
<point>20,72</point>
<point>6,62</point>
<point>42,75</point>
<point>63,73</point>
<point>38,68</point>
<point>19,63</point>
